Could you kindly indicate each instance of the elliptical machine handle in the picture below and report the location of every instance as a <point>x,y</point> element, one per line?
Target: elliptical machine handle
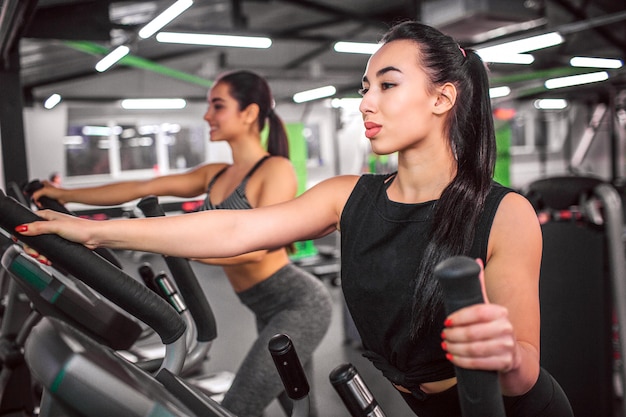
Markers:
<point>186,281</point>
<point>354,393</point>
<point>52,204</point>
<point>96,272</point>
<point>479,391</point>
<point>289,367</point>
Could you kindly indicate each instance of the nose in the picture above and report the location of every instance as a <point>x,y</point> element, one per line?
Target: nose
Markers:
<point>366,105</point>
<point>207,115</point>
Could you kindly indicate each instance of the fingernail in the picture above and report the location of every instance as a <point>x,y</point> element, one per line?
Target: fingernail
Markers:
<point>21,228</point>
<point>443,335</point>
<point>444,346</point>
<point>449,356</point>
<point>447,323</point>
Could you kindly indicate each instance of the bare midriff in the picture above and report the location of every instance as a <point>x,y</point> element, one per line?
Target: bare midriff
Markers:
<point>431,387</point>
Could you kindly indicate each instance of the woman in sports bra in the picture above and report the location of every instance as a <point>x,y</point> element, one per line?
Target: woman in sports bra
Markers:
<point>283,297</point>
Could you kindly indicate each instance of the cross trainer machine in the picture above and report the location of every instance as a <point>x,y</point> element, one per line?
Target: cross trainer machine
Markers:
<point>582,290</point>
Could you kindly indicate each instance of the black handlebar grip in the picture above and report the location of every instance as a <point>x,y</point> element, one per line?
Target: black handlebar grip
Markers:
<point>99,274</point>
<point>352,390</point>
<point>45,201</point>
<point>479,391</point>
<point>147,276</point>
<point>288,366</point>
<point>52,204</point>
<point>186,281</point>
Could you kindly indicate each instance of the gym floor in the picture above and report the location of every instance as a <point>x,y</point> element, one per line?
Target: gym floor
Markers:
<point>236,332</point>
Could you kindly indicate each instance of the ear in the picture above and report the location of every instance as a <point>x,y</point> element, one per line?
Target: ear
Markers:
<point>445,99</point>
<point>251,113</point>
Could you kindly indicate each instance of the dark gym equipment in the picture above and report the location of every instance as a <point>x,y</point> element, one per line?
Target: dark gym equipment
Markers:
<point>291,373</point>
<point>479,391</point>
<point>582,289</point>
<point>52,204</point>
<point>354,393</point>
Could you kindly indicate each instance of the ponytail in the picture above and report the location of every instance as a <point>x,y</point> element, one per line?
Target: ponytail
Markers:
<point>277,141</point>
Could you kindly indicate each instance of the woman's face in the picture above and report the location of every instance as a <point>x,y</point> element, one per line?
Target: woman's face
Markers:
<point>223,115</point>
<point>397,98</point>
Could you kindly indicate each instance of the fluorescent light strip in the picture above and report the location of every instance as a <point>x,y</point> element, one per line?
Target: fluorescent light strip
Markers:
<point>114,56</point>
<point>153,104</point>
<point>524,45</point>
<point>588,62</point>
<point>52,101</point>
<point>314,94</point>
<point>164,18</point>
<point>496,92</point>
<point>576,80</point>
<point>357,47</point>
<point>550,104</point>
<point>215,40</point>
<point>500,58</point>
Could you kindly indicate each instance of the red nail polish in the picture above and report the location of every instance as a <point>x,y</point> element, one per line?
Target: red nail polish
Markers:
<point>447,323</point>
<point>449,356</point>
<point>443,335</point>
<point>21,228</point>
<point>444,346</point>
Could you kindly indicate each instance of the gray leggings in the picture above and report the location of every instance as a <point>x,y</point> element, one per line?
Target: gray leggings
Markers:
<point>292,302</point>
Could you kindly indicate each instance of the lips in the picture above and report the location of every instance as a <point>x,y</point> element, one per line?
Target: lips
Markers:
<point>371,129</point>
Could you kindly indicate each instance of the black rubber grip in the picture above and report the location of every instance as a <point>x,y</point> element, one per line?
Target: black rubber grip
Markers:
<point>147,276</point>
<point>186,281</point>
<point>52,204</point>
<point>288,366</point>
<point>352,390</point>
<point>479,391</point>
<point>96,272</point>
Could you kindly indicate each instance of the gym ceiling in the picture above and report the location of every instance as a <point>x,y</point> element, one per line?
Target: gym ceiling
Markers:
<point>55,44</point>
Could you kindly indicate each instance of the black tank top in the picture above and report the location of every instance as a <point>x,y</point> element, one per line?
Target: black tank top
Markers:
<point>382,242</point>
<point>237,200</point>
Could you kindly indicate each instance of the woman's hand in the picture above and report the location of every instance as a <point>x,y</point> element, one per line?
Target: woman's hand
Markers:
<point>481,336</point>
<point>50,191</point>
<point>67,226</point>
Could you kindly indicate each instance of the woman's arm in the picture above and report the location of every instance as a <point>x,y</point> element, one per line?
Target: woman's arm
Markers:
<point>188,184</point>
<point>216,233</point>
<point>274,182</point>
<point>504,335</point>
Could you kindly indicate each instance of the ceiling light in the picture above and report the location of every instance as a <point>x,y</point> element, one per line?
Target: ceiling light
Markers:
<point>550,104</point>
<point>215,40</point>
<point>314,94</point>
<point>588,62</point>
<point>52,101</point>
<point>164,18</point>
<point>357,47</point>
<point>496,92</point>
<point>524,45</point>
<point>114,56</point>
<point>576,80</point>
<point>500,58</point>
<point>153,104</point>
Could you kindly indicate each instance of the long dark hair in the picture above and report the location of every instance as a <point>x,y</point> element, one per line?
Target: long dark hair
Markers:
<point>472,139</point>
<point>248,87</point>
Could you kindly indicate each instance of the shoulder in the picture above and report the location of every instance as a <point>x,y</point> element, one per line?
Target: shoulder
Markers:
<point>515,217</point>
<point>275,165</point>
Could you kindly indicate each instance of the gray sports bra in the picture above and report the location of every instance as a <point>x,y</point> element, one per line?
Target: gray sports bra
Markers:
<point>237,200</point>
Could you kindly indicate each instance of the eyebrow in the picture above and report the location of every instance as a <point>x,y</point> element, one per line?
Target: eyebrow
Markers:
<point>382,71</point>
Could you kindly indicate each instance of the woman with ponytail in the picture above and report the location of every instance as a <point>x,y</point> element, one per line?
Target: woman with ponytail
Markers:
<point>426,98</point>
<point>284,298</point>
